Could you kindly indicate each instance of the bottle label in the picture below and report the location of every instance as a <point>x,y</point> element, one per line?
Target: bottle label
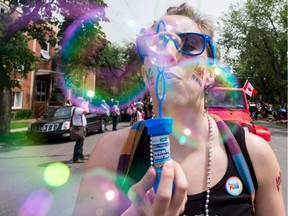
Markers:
<point>161,150</point>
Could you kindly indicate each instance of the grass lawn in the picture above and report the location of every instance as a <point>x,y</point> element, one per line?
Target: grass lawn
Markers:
<point>19,124</point>
<point>12,137</point>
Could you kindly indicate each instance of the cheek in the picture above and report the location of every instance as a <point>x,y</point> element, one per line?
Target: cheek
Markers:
<point>198,75</point>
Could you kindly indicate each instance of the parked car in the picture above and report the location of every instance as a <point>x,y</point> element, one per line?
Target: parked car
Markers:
<point>231,104</point>
<point>58,125</point>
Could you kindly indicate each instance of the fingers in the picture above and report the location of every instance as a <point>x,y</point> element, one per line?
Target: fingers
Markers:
<point>138,191</point>
<point>164,202</point>
<point>179,197</point>
<point>165,199</point>
<point>164,192</point>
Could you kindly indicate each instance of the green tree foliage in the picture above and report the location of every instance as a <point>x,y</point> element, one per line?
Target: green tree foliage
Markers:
<point>253,40</point>
<point>119,72</point>
<point>36,17</point>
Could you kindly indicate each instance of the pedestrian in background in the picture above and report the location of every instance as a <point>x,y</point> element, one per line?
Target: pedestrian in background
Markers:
<point>131,111</point>
<point>106,109</point>
<point>68,103</point>
<point>115,112</point>
<point>79,109</point>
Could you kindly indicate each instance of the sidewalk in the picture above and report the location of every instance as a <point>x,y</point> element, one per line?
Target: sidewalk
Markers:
<point>24,128</point>
<point>18,129</point>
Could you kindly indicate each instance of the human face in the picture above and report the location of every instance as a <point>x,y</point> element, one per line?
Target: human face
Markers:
<point>184,71</point>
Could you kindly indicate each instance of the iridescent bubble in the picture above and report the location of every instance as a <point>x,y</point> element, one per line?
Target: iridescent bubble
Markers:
<point>182,140</point>
<point>99,212</point>
<point>187,131</point>
<point>99,192</point>
<point>227,100</point>
<point>110,195</point>
<point>36,204</point>
<point>131,23</point>
<point>56,174</point>
<point>73,45</point>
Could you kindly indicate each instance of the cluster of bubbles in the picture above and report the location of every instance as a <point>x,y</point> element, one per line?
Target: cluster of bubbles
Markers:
<point>100,194</point>
<point>73,45</point>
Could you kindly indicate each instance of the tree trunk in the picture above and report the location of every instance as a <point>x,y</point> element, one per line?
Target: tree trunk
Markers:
<point>5,110</point>
<point>5,101</point>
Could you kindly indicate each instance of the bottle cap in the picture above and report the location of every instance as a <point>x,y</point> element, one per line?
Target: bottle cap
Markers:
<point>159,126</point>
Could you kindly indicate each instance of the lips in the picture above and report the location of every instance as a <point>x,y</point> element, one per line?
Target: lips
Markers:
<point>171,76</point>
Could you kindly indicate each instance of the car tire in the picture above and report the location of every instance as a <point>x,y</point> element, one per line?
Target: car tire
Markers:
<point>102,126</point>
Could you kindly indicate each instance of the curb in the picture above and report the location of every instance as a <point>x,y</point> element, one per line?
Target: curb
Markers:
<point>18,130</point>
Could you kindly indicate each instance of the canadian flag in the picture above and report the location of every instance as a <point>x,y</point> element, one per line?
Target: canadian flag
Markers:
<point>249,89</point>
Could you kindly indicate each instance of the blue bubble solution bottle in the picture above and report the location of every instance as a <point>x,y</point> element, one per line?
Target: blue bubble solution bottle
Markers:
<point>159,130</point>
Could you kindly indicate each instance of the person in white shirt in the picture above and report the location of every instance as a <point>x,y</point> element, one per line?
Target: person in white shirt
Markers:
<point>80,108</point>
<point>115,115</point>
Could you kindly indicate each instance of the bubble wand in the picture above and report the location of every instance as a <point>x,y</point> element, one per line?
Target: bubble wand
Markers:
<point>160,128</point>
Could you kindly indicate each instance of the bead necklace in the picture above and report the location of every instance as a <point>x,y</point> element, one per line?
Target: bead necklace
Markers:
<point>209,162</point>
<point>210,131</point>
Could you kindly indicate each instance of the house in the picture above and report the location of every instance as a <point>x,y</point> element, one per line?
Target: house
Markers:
<point>45,86</point>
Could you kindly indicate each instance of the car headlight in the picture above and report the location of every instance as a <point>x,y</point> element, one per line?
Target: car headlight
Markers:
<point>65,125</point>
<point>246,128</point>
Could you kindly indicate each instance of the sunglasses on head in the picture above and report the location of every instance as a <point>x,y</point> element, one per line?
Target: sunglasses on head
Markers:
<point>189,43</point>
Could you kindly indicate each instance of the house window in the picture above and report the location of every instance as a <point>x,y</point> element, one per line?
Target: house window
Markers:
<point>45,51</point>
<point>2,9</point>
<point>41,91</point>
<point>17,100</point>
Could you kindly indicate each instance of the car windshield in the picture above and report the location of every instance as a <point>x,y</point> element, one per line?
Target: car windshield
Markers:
<point>223,98</point>
<point>63,112</point>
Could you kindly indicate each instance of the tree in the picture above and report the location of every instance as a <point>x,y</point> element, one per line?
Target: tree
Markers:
<point>253,36</point>
<point>16,59</point>
<point>119,71</point>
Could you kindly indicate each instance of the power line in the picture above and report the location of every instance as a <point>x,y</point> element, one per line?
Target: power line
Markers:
<point>131,10</point>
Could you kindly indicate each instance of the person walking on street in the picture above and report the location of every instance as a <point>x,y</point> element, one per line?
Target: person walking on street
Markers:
<point>115,115</point>
<point>131,111</point>
<point>106,108</point>
<point>80,108</point>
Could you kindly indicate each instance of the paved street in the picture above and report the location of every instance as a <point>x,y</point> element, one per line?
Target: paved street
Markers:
<point>23,181</point>
<point>23,166</point>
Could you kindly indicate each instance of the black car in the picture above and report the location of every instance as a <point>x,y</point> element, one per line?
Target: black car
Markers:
<point>58,125</point>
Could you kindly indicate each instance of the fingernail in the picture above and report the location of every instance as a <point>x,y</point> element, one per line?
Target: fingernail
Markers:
<point>168,164</point>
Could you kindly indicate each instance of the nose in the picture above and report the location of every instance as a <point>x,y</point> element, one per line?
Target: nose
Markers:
<point>171,53</point>
<point>167,54</point>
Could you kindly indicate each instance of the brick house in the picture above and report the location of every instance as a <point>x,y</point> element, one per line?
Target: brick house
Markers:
<point>44,87</point>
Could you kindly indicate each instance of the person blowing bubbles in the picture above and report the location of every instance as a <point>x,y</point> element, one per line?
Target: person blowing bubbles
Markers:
<point>206,181</point>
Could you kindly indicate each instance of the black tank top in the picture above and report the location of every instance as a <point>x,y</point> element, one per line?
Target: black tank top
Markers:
<point>226,197</point>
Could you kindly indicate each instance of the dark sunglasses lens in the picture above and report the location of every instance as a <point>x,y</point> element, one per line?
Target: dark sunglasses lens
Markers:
<point>192,43</point>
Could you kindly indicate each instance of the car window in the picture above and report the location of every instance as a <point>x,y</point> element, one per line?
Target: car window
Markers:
<point>230,99</point>
<point>63,112</point>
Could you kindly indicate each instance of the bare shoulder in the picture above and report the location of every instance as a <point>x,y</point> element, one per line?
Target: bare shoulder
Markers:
<point>261,153</point>
<point>107,150</point>
<point>256,145</point>
<point>269,199</point>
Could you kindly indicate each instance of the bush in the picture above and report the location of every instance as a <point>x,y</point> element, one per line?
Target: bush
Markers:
<point>22,114</point>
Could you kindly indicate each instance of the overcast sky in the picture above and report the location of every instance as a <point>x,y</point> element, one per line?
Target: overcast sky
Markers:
<point>127,17</point>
